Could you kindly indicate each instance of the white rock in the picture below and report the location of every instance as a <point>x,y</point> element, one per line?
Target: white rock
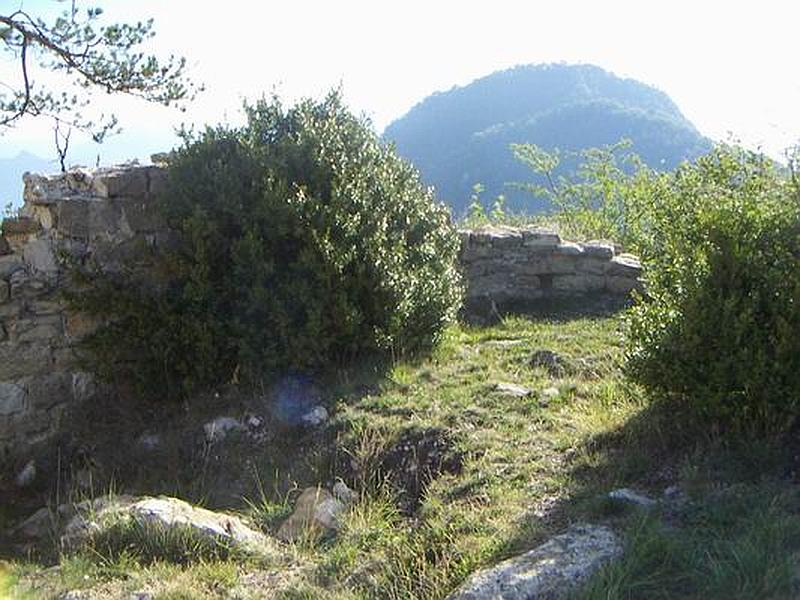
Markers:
<point>550,571</point>
<point>315,417</point>
<point>27,475</point>
<point>218,429</point>
<point>628,496</point>
<point>512,389</point>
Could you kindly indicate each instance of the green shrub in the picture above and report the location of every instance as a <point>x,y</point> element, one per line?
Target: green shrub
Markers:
<point>719,328</point>
<point>302,241</point>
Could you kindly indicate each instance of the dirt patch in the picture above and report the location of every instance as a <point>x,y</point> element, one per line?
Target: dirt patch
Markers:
<point>417,458</point>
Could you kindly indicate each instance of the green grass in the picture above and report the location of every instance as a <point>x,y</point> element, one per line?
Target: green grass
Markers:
<point>527,468</point>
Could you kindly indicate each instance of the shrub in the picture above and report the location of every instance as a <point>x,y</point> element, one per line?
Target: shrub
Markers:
<point>302,241</point>
<point>718,330</point>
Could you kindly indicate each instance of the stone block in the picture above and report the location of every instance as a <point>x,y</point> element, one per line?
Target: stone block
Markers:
<point>497,237</point>
<point>10,264</point>
<point>12,398</point>
<point>116,182</point>
<point>601,250</point>
<point>46,391</point>
<point>26,359</point>
<point>72,218</point>
<point>535,265</point>
<point>157,181</point>
<point>568,249</point>
<point>562,264</point>
<point>49,189</point>
<point>621,285</point>
<point>141,215</point>
<point>36,329</point>
<point>579,284</point>
<point>78,325</point>
<point>591,264</point>
<point>45,215</point>
<point>24,286</point>
<point>39,255</point>
<point>624,265</point>
<point>540,238</point>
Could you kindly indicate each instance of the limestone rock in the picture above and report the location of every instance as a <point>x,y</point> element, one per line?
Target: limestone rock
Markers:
<point>551,361</point>
<point>316,513</point>
<point>165,513</point>
<point>628,496</point>
<point>550,571</point>
<point>512,390</point>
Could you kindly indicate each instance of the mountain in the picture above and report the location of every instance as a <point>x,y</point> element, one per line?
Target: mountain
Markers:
<point>461,137</point>
<point>11,171</point>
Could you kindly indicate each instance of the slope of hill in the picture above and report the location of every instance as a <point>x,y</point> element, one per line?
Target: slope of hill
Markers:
<point>461,137</point>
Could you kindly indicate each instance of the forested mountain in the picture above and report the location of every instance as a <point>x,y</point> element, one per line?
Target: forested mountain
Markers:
<point>461,137</point>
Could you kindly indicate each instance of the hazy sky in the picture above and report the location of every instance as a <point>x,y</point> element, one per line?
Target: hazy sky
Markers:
<point>732,67</point>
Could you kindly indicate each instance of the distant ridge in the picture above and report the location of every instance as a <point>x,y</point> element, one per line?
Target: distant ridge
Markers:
<point>11,171</point>
<point>461,137</point>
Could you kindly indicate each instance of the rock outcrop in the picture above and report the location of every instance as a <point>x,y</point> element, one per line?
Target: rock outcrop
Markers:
<point>550,571</point>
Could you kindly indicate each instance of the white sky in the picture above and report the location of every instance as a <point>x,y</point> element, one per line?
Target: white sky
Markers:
<point>732,67</point>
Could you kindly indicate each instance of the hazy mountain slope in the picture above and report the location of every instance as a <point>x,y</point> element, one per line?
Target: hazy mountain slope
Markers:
<point>11,171</point>
<point>461,137</point>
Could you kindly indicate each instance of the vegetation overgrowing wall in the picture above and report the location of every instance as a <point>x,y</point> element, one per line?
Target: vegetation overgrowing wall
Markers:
<point>106,215</point>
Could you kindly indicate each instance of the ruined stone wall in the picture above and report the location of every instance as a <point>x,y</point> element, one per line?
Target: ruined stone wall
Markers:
<point>514,268</point>
<point>102,215</point>
<point>79,215</point>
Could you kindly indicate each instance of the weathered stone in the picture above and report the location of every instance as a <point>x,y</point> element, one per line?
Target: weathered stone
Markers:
<point>547,395</point>
<point>579,284</point>
<point>601,250</point>
<point>539,238</point>
<point>221,427</point>
<point>141,215</point>
<point>628,496</point>
<point>551,571</point>
<point>47,391</point>
<point>21,360</point>
<point>569,249</point>
<point>625,265</point>
<point>78,325</point>
<point>36,329</point>
<point>551,361</point>
<point>5,291</point>
<point>592,265</point>
<point>497,237</point>
<point>48,189</point>
<point>5,247</point>
<point>316,513</point>
<point>40,257</point>
<point>621,285</point>
<point>27,475</point>
<point>157,180</point>
<point>10,264</point>
<point>512,389</point>
<point>25,286</point>
<point>12,399</point>
<point>315,417</point>
<point>116,182</point>
<point>73,218</point>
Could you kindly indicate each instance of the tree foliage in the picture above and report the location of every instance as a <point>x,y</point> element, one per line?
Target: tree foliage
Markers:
<point>92,56</point>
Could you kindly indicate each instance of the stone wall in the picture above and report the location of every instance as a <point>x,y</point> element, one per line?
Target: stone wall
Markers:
<point>510,268</point>
<point>101,215</point>
<point>80,215</point>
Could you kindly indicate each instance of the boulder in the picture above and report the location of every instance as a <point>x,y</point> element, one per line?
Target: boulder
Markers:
<point>512,390</point>
<point>316,513</point>
<point>552,570</point>
<point>628,496</point>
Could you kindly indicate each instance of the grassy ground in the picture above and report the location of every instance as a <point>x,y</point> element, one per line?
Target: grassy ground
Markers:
<point>509,472</point>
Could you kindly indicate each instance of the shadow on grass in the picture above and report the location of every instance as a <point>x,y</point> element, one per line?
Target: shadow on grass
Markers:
<point>487,312</point>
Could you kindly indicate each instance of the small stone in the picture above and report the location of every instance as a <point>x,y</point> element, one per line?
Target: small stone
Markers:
<point>315,417</point>
<point>551,361</point>
<point>27,475</point>
<point>549,394</point>
<point>316,513</point>
<point>218,429</point>
<point>628,496</point>
<point>343,493</point>
<point>512,389</point>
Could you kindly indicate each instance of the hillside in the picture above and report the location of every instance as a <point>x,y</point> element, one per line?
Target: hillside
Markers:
<point>11,171</point>
<point>460,137</point>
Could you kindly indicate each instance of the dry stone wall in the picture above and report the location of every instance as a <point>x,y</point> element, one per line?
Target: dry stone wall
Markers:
<point>80,215</point>
<point>104,215</point>
<point>517,268</point>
